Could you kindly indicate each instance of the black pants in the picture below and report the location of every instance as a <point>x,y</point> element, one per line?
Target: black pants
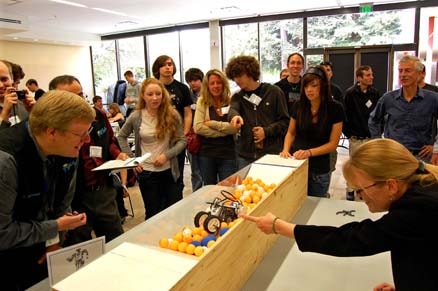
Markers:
<point>159,191</point>
<point>102,216</point>
<point>20,268</point>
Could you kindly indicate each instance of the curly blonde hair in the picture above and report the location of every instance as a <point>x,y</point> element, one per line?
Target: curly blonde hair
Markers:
<point>167,116</point>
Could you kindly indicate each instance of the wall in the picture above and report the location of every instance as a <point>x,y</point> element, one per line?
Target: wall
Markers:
<point>43,62</point>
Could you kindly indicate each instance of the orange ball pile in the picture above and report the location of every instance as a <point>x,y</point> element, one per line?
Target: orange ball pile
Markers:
<point>196,240</point>
<point>189,239</point>
<point>251,191</point>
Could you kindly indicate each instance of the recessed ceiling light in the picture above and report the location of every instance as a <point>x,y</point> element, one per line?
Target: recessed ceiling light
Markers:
<point>69,3</point>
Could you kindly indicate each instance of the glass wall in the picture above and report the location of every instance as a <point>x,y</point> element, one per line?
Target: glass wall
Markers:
<point>131,55</point>
<point>104,69</point>
<point>164,44</point>
<point>278,39</point>
<point>240,39</point>
<point>195,49</point>
<point>381,27</point>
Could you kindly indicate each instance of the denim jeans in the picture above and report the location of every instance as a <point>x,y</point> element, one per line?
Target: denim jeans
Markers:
<point>318,184</point>
<point>159,191</point>
<point>214,170</point>
<point>196,172</point>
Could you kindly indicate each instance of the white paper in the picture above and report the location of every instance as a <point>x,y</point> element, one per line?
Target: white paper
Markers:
<point>66,261</point>
<point>120,164</point>
<point>131,267</point>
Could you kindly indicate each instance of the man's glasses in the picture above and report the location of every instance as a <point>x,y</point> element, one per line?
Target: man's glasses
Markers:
<point>84,135</point>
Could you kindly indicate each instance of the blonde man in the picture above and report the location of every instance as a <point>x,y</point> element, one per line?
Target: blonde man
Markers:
<point>38,161</point>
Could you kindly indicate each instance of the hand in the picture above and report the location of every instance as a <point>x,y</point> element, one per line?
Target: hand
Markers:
<point>258,133</point>
<point>29,101</point>
<point>302,154</point>
<point>128,100</point>
<point>426,152</point>
<point>10,99</point>
<point>384,287</point>
<point>138,169</point>
<point>71,221</point>
<point>160,160</point>
<point>122,156</point>
<point>49,249</point>
<point>237,122</point>
<point>264,223</point>
<point>285,154</point>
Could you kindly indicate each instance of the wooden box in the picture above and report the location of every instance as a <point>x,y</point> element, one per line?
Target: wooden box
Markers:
<point>227,265</point>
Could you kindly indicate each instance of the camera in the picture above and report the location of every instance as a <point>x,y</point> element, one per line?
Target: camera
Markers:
<point>20,94</point>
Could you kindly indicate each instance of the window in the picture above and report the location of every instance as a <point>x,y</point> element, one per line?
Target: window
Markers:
<point>104,69</point>
<point>240,39</point>
<point>381,27</point>
<point>195,46</point>
<point>164,44</point>
<point>313,60</point>
<point>278,39</point>
<point>131,53</point>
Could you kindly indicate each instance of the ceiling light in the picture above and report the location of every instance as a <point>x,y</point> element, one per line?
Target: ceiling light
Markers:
<point>69,3</point>
<point>110,11</point>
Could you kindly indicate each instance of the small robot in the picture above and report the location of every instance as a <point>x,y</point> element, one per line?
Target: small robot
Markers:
<point>224,209</point>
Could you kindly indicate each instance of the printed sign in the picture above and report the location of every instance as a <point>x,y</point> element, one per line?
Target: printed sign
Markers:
<point>66,261</point>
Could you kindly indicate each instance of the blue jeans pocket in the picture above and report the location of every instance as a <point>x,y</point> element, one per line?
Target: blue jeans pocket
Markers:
<point>318,184</point>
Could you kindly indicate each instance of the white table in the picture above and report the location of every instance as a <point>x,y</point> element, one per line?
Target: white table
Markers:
<point>285,267</point>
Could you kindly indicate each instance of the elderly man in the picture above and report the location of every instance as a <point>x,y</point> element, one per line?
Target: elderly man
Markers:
<point>407,113</point>
<point>38,161</point>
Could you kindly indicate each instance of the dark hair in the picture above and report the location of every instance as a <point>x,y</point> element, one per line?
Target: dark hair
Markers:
<point>159,62</point>
<point>17,71</point>
<point>128,73</point>
<point>32,82</point>
<point>327,63</point>
<point>304,112</point>
<point>361,69</point>
<point>63,79</point>
<point>96,98</point>
<point>295,54</point>
<point>240,65</point>
<point>193,74</point>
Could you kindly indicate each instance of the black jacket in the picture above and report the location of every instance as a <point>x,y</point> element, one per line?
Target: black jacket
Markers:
<point>408,231</point>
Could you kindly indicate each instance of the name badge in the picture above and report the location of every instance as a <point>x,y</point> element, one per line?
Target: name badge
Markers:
<point>225,110</point>
<point>369,103</point>
<point>254,99</point>
<point>14,119</point>
<point>95,152</point>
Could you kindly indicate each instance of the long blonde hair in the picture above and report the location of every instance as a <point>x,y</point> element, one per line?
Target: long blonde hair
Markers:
<point>167,116</point>
<point>384,159</point>
<point>205,92</point>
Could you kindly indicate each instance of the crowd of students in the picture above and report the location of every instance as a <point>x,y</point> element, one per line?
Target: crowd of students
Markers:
<point>63,138</point>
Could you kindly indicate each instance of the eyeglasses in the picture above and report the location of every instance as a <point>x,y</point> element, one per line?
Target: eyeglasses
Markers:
<point>360,190</point>
<point>84,135</point>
